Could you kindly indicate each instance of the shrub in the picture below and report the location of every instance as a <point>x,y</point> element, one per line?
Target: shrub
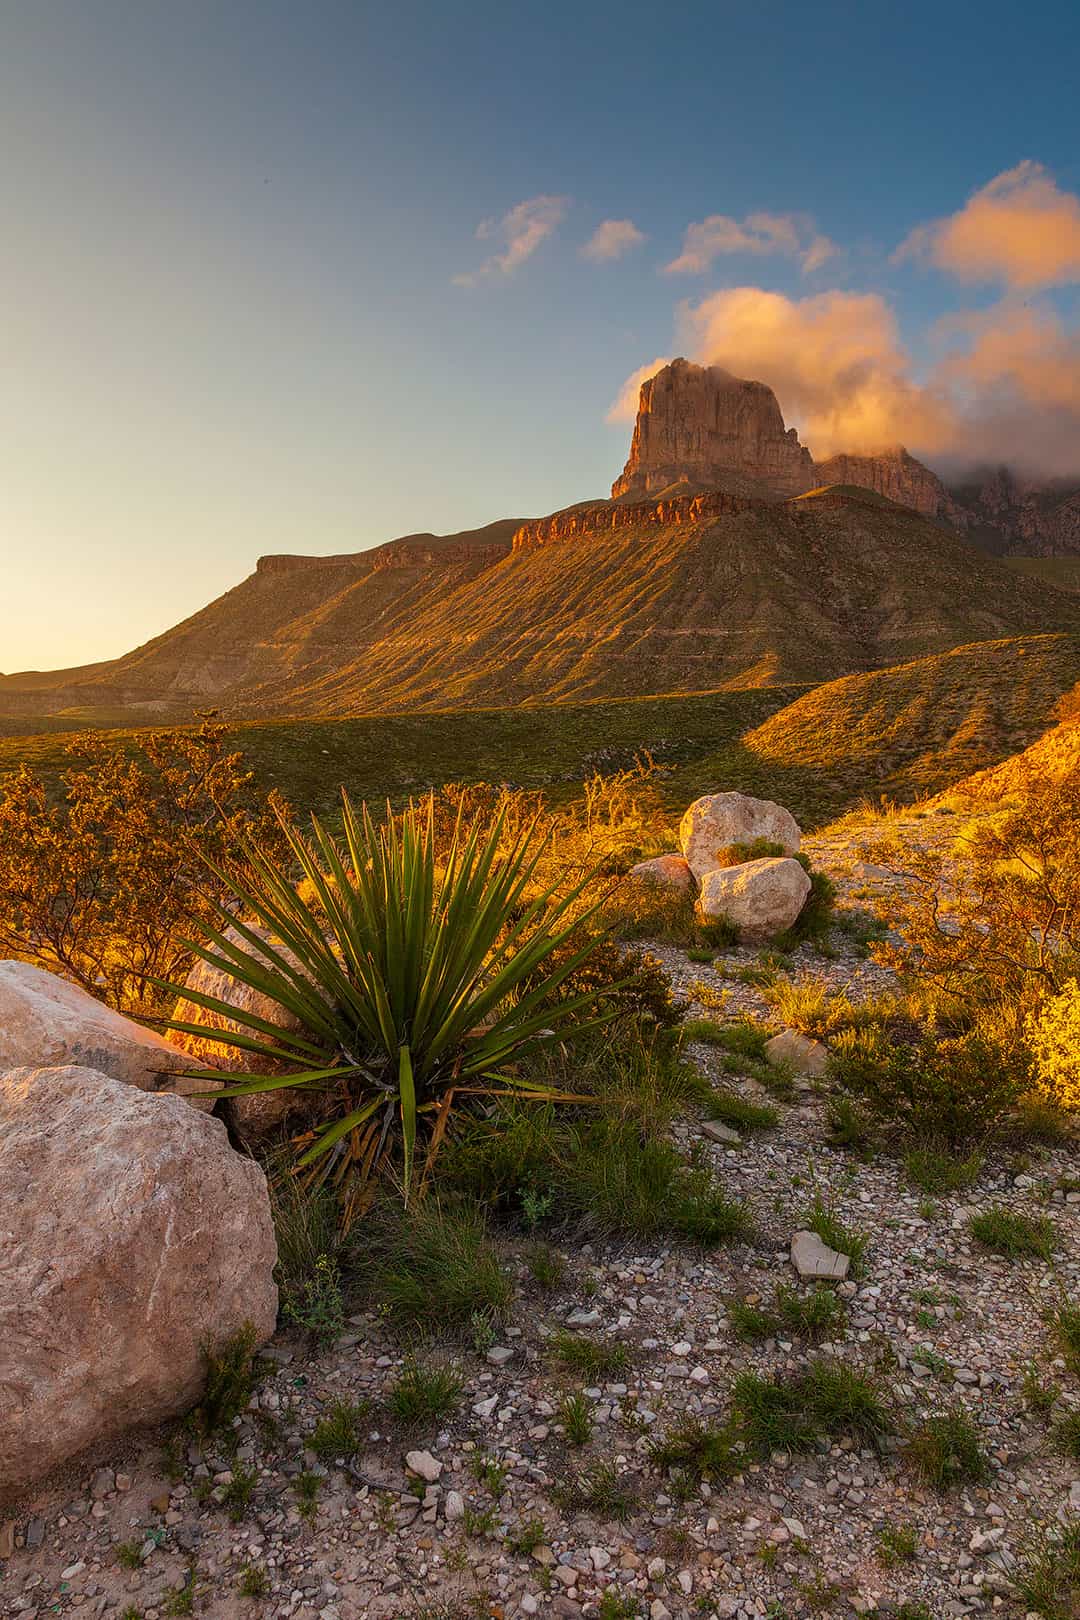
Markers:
<point>1053,1034</point>
<point>96,883</point>
<point>307,1224</point>
<point>423,1395</point>
<point>1015,1235</point>
<point>952,1091</point>
<point>815,919</point>
<point>232,1372</point>
<point>405,976</point>
<point>945,1450</point>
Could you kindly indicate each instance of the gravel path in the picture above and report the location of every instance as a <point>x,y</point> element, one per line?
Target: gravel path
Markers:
<point>934,1317</point>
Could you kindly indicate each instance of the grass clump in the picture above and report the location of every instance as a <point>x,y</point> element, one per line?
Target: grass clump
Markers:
<point>740,1113</point>
<point>897,1544</point>
<point>600,1490</point>
<point>937,1172</point>
<point>254,1582</point>
<point>547,1268</point>
<point>434,1267</point>
<point>1048,1577</point>
<point>827,1398</point>
<point>592,1359</point>
<point>529,1535</point>
<point>1067,1435</point>
<point>1013,1234</point>
<point>339,1433</point>
<point>307,1224</point>
<point>699,1450</point>
<point>576,1418</point>
<point>1064,1321</point>
<point>424,1394</point>
<point>945,1450</point>
<point>813,1315</point>
<point>306,1489</point>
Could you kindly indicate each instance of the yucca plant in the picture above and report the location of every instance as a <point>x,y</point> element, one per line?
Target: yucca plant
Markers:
<point>415,978</point>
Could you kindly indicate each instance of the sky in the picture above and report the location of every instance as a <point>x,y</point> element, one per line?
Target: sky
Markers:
<point>301,278</point>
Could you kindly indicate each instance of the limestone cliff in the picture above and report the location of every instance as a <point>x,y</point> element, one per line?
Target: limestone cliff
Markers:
<point>898,475</point>
<point>699,425</point>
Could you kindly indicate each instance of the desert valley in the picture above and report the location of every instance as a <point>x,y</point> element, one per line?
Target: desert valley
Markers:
<point>539,1064</point>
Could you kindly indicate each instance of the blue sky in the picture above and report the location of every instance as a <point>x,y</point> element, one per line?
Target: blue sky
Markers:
<point>235,237</point>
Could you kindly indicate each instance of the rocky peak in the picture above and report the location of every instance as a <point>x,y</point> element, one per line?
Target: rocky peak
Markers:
<point>898,475</point>
<point>700,425</point>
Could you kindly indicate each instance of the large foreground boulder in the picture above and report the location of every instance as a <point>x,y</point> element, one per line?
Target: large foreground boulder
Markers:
<point>761,898</point>
<point>131,1236</point>
<point>261,1111</point>
<point>718,820</point>
<point>47,1021</point>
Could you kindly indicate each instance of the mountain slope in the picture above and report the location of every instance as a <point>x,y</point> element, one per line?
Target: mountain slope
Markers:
<point>603,600</point>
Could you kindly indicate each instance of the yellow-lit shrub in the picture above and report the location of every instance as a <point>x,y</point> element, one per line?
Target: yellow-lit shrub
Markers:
<point>1053,1033</point>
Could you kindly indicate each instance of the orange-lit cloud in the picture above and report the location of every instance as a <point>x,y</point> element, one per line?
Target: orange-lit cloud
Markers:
<point>1004,386</point>
<point>611,239</point>
<point>520,231</point>
<point>1019,230</point>
<point>793,235</point>
<point>624,408</point>
<point>835,362</point>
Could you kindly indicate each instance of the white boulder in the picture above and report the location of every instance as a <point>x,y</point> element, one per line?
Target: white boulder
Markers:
<point>46,1021</point>
<point>717,820</point>
<point>131,1236</point>
<point>665,872</point>
<point>761,898</point>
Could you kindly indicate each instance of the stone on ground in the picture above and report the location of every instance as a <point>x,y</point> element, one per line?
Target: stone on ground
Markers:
<point>665,872</point>
<point>46,1021</point>
<point>800,1052</point>
<point>716,1132</point>
<point>760,898</point>
<point>131,1235</point>
<point>719,819</point>
<point>813,1258</point>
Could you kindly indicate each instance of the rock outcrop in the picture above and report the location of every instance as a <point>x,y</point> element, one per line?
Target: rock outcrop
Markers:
<point>699,425</point>
<point>47,1021</point>
<point>1012,514</point>
<point>759,898</point>
<point>718,820</point>
<point>899,476</point>
<point>131,1236</point>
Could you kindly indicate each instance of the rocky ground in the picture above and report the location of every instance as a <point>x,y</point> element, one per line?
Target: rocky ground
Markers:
<point>470,1524</point>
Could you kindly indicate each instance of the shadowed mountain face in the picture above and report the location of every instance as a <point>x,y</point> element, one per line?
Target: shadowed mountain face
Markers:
<point>613,599</point>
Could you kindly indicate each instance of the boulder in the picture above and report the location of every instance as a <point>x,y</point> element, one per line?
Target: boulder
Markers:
<point>719,819</point>
<point>131,1236</point>
<point>799,1052</point>
<point>761,898</point>
<point>665,872</point>
<point>46,1021</point>
<point>261,1111</point>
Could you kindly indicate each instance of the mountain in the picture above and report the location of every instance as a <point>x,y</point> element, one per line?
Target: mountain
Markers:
<point>608,599</point>
<point>697,427</point>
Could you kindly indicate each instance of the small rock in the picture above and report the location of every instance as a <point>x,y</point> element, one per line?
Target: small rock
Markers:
<point>455,1506</point>
<point>721,1133</point>
<point>812,1258</point>
<point>424,1465</point>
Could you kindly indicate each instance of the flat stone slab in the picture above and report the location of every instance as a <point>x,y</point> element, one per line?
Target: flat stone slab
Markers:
<point>716,1132</point>
<point>812,1258</point>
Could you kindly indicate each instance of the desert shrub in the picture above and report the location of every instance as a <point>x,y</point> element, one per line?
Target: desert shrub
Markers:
<point>993,924</point>
<point>816,917</point>
<point>1053,1036</point>
<point>756,850</point>
<point>307,1224</point>
<point>341,1432</point>
<point>422,972</point>
<point>651,911</point>
<point>424,1393</point>
<point>232,1372</point>
<point>629,983</point>
<point>951,1092</point>
<point>814,1010</point>
<point>98,883</point>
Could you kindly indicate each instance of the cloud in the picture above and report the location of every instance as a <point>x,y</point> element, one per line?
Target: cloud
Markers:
<point>520,232</point>
<point>611,239</point>
<point>624,407</point>
<point>793,235</point>
<point>835,362</point>
<point>1019,230</point>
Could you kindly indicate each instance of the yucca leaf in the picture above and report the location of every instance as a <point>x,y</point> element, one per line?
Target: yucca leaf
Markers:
<point>407,1093</point>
